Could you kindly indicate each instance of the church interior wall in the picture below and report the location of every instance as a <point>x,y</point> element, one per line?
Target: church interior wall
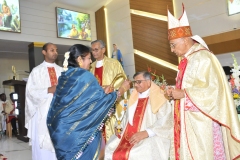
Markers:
<point>210,25</point>
<point>120,32</point>
<point>38,24</point>
<point>21,65</point>
<point>150,36</point>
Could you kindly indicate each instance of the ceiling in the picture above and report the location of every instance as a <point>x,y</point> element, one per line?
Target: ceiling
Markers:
<point>92,5</point>
<point>19,49</point>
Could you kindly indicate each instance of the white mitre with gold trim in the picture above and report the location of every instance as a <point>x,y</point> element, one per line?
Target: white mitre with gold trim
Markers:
<point>178,28</point>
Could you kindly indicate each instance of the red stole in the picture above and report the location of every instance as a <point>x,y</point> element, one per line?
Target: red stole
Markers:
<point>124,147</point>
<point>52,76</point>
<point>177,123</point>
<point>98,74</point>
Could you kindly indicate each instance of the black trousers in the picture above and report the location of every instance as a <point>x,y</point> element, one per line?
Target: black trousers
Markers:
<point>14,125</point>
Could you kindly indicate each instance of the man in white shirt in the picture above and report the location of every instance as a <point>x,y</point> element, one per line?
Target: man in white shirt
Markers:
<point>147,125</point>
<point>40,88</point>
<point>2,113</point>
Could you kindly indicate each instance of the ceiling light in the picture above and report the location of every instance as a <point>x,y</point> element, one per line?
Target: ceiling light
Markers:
<point>149,15</point>
<point>156,60</point>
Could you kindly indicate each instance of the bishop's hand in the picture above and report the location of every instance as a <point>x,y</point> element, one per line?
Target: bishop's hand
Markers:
<point>168,93</point>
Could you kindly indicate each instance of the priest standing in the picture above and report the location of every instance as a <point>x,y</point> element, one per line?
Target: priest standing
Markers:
<point>105,69</point>
<point>40,88</point>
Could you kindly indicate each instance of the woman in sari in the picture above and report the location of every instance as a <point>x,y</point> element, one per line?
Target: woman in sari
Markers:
<point>79,108</point>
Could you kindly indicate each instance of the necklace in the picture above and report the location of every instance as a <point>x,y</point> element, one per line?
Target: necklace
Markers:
<point>119,116</point>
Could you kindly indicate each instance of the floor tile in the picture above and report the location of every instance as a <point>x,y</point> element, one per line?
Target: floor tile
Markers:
<point>15,149</point>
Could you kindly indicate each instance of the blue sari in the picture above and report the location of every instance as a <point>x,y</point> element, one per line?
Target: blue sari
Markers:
<point>76,115</point>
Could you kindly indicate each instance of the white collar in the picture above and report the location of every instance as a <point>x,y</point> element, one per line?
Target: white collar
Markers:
<point>99,63</point>
<point>144,94</point>
<point>48,64</point>
<point>189,51</point>
<point>132,109</point>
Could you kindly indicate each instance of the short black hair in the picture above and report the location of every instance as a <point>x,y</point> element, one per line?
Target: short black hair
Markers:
<point>146,75</point>
<point>2,94</point>
<point>45,46</point>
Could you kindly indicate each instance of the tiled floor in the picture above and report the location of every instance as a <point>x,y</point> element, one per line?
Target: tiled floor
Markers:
<point>15,149</point>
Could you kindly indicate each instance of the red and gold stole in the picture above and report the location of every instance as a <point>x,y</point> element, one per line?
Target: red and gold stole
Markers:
<point>177,123</point>
<point>52,76</point>
<point>98,74</point>
<point>124,147</point>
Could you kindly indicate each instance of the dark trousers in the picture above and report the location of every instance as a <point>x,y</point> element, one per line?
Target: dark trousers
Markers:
<point>14,125</point>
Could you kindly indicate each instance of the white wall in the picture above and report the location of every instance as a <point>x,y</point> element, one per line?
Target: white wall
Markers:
<point>38,24</point>
<point>6,73</point>
<point>120,32</point>
<point>209,17</point>
<point>227,60</point>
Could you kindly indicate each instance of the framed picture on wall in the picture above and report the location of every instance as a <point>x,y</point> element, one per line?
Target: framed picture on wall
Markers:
<point>233,7</point>
<point>73,25</point>
<point>10,16</point>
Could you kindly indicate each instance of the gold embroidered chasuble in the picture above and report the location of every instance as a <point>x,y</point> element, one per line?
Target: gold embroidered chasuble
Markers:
<point>111,67</point>
<point>205,84</point>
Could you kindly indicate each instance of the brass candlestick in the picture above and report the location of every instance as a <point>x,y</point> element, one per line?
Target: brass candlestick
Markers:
<point>14,73</point>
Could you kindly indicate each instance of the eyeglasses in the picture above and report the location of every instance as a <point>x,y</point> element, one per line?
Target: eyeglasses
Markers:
<point>139,81</point>
<point>96,49</point>
<point>173,45</point>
